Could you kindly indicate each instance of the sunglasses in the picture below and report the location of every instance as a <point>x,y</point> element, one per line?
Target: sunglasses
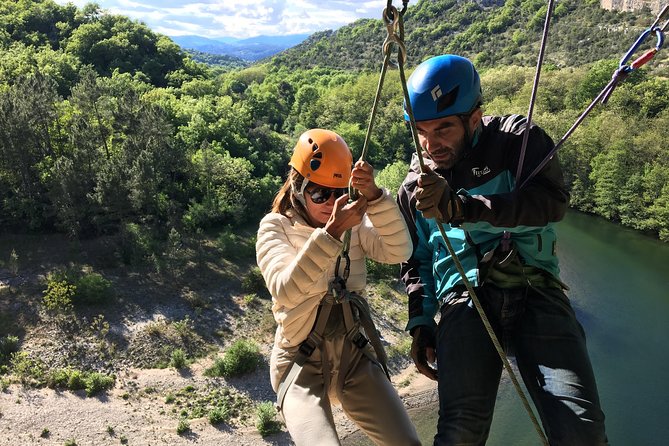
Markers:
<point>320,195</point>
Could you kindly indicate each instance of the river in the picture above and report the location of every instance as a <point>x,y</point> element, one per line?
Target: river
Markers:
<point>617,281</point>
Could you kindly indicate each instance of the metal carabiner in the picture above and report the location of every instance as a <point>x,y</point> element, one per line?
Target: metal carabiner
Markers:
<point>391,18</point>
<point>405,5</point>
<point>648,55</point>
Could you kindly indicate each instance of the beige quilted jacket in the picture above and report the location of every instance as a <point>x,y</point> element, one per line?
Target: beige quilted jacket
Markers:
<point>297,262</point>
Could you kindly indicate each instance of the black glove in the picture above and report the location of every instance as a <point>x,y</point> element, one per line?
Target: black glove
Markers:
<point>422,350</point>
<point>435,198</point>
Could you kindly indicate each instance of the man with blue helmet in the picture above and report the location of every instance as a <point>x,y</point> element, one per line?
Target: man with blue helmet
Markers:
<point>505,240</point>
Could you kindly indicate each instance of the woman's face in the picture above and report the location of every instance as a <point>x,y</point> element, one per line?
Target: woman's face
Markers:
<point>320,202</point>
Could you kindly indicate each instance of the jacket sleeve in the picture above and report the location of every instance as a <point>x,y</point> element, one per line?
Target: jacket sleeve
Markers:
<point>383,233</point>
<point>290,274</point>
<point>544,199</point>
<point>416,272</point>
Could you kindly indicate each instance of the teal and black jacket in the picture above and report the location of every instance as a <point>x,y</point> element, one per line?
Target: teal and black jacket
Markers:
<point>485,179</point>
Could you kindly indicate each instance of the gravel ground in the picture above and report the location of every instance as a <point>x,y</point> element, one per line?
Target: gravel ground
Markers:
<point>146,420</point>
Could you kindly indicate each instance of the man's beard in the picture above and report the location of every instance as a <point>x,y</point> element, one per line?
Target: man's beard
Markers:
<point>455,154</point>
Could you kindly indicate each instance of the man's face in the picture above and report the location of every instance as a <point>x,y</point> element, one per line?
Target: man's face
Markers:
<point>443,139</point>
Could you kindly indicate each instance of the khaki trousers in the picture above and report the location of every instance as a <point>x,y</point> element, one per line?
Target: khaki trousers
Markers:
<point>364,392</point>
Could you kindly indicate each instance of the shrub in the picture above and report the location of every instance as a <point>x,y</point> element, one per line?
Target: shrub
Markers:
<point>178,359</point>
<point>8,345</point>
<point>266,421</point>
<point>27,369</point>
<point>242,357</point>
<point>76,380</point>
<point>183,327</point>
<point>219,415</point>
<point>400,349</point>
<point>58,378</point>
<point>92,382</point>
<point>98,382</point>
<point>253,282</point>
<point>183,426</point>
<point>235,247</point>
<point>13,264</point>
<point>392,175</point>
<point>250,299</point>
<point>58,296</point>
<point>218,369</point>
<point>381,271</point>
<point>136,244</point>
<point>92,289</point>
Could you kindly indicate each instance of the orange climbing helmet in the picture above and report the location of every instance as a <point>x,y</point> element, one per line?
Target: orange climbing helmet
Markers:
<point>323,157</point>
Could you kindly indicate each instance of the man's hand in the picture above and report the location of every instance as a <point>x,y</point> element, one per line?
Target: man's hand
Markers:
<point>422,351</point>
<point>435,198</point>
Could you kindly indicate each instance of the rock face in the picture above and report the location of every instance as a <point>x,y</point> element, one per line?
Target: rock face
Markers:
<point>632,5</point>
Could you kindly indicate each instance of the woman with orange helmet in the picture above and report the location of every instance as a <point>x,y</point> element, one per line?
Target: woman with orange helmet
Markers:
<point>323,345</point>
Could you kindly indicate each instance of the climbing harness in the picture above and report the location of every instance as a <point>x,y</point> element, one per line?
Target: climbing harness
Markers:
<point>623,71</point>
<point>354,309</point>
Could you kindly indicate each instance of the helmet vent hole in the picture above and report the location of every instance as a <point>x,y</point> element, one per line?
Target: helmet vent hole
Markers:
<point>311,141</point>
<point>314,147</point>
<point>314,164</point>
<point>318,155</point>
<point>447,99</point>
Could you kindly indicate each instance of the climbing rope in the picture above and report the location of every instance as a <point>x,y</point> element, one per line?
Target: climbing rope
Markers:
<point>535,84</point>
<point>623,71</point>
<point>395,37</point>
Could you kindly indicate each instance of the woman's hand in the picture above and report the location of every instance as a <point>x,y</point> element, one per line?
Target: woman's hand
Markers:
<point>345,215</point>
<point>362,178</point>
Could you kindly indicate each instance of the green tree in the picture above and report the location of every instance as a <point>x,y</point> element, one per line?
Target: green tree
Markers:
<point>26,140</point>
<point>226,185</point>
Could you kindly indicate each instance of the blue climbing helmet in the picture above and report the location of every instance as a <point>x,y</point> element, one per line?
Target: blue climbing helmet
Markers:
<point>443,86</point>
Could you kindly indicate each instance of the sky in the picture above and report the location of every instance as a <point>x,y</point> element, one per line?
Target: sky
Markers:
<point>242,18</point>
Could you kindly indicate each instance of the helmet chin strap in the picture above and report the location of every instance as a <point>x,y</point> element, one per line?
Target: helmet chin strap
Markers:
<point>299,194</point>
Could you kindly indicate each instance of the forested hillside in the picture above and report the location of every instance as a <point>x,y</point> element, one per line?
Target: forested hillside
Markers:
<point>222,61</point>
<point>105,124</point>
<point>488,32</point>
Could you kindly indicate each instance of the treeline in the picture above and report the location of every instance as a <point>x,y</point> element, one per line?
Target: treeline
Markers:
<point>96,151</point>
<point>221,61</point>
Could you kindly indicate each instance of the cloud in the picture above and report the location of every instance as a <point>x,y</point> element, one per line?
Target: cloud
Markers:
<point>241,18</point>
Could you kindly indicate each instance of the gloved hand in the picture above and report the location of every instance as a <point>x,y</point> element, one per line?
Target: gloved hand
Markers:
<point>422,351</point>
<point>436,199</point>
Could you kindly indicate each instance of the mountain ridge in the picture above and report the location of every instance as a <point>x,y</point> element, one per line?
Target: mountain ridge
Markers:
<point>249,49</point>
